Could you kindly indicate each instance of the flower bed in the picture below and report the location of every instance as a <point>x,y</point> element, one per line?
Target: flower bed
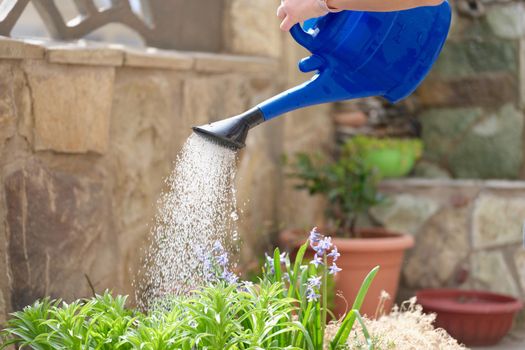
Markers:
<point>286,309</point>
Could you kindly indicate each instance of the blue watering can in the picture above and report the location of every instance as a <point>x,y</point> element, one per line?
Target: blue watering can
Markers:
<point>355,54</point>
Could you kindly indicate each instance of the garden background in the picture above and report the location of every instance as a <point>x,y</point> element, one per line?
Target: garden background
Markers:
<point>89,130</point>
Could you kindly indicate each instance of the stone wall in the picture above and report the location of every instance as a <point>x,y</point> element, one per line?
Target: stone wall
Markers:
<point>468,233</point>
<point>472,104</point>
<point>89,132</point>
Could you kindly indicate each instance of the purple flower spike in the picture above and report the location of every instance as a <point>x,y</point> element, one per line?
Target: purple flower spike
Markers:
<point>334,269</point>
<point>334,254</point>
<point>324,245</point>
<point>283,256</point>
<point>317,261</point>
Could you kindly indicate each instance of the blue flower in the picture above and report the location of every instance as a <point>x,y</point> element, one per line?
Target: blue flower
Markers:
<point>311,295</point>
<point>217,247</point>
<point>247,284</point>
<point>222,259</point>
<point>334,254</point>
<point>314,282</point>
<point>317,261</point>
<point>326,243</point>
<point>230,277</point>
<point>315,236</point>
<point>334,269</point>
<point>286,277</point>
<point>269,264</point>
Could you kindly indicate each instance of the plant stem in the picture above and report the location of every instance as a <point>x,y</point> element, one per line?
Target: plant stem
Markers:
<point>325,297</point>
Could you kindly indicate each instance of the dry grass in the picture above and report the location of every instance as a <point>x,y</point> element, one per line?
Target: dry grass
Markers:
<point>405,328</point>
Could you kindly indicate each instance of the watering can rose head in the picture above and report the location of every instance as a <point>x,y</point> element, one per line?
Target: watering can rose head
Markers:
<point>354,54</point>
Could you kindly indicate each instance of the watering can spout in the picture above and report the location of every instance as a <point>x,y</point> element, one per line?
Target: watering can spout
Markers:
<point>232,132</point>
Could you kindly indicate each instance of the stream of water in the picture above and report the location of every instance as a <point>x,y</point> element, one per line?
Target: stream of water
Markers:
<point>196,215</point>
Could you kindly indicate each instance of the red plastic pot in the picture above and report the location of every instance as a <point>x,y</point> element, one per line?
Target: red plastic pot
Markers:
<point>474,318</point>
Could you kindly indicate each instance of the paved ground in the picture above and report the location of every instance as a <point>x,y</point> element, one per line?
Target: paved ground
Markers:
<point>514,341</point>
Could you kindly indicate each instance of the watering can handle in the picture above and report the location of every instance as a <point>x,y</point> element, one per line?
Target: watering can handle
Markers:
<point>303,38</point>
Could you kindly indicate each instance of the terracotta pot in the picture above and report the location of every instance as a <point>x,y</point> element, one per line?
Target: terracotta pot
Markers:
<point>358,256</point>
<point>474,318</point>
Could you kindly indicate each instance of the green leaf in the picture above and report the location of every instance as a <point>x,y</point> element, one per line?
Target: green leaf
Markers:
<point>343,333</point>
<point>277,264</point>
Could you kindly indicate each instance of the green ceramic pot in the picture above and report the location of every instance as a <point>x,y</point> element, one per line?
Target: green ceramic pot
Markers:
<point>390,162</point>
<point>392,157</point>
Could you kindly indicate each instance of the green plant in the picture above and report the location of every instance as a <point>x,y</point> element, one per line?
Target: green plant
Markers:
<point>97,323</point>
<point>282,311</point>
<point>349,185</point>
<point>312,312</point>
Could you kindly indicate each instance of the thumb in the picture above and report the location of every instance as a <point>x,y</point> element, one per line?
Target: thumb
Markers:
<point>287,23</point>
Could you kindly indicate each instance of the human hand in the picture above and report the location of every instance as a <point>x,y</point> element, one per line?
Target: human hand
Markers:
<point>296,11</point>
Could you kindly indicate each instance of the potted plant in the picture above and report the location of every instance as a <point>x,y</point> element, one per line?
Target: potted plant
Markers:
<point>392,157</point>
<point>350,187</point>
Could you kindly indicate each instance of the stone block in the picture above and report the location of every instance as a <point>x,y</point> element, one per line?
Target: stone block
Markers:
<point>442,128</point>
<point>58,229</point>
<point>492,89</point>
<point>498,219</point>
<point>430,170</point>
<point>493,148</point>
<point>204,98</point>
<point>507,21</point>
<point>8,106</point>
<point>71,106</point>
<point>17,49</point>
<point>470,57</point>
<point>144,140</point>
<point>220,63</point>
<point>146,132</point>
<point>490,271</point>
<point>3,308</point>
<point>441,246</point>
<point>155,58</point>
<point>92,56</point>
<point>253,28</point>
<point>521,74</point>
<point>405,213</point>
